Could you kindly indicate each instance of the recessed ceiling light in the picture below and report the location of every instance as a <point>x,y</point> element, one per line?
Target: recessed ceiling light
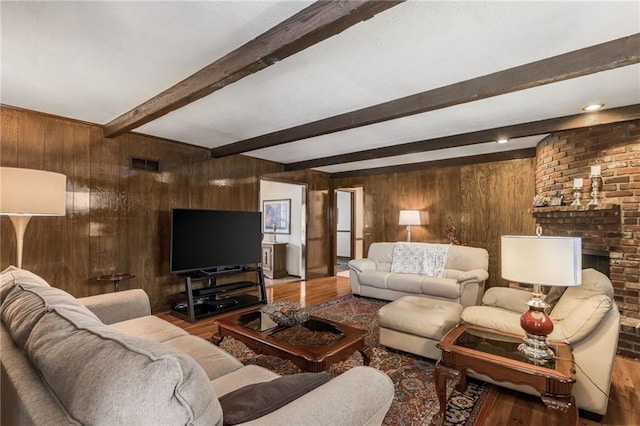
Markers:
<point>592,107</point>
<point>502,140</point>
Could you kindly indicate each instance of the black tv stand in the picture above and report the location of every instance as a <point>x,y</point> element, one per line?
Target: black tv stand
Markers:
<point>215,298</point>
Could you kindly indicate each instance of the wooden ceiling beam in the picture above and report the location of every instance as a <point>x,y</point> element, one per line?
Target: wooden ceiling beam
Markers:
<point>448,162</point>
<point>312,25</point>
<point>609,116</point>
<point>601,57</point>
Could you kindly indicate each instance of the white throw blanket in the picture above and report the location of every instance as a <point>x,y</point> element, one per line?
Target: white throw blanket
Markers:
<point>419,258</point>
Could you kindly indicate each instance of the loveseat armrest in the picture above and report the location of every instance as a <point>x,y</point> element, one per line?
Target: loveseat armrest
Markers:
<point>359,265</point>
<point>474,275</point>
<point>511,299</point>
<point>118,306</point>
<point>360,396</point>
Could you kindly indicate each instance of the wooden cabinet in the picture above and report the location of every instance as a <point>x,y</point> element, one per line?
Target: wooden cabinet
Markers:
<point>274,260</point>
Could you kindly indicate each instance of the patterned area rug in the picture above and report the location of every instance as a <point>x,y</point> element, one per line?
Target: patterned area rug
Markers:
<point>415,401</point>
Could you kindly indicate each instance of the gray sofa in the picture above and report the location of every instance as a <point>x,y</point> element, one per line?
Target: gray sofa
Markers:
<point>104,360</point>
<point>462,278</point>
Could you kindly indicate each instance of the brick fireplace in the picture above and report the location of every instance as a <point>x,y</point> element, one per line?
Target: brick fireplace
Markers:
<point>610,232</point>
<point>600,229</point>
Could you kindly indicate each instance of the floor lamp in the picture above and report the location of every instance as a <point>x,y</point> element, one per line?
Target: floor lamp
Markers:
<point>25,193</point>
<point>409,217</point>
<point>537,260</point>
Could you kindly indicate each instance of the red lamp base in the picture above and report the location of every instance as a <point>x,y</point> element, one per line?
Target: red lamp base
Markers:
<point>537,325</point>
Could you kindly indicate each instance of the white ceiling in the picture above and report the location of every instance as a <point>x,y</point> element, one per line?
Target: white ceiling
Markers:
<point>94,61</point>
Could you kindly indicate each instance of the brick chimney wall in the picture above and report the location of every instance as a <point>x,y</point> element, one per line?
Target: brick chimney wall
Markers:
<point>612,227</point>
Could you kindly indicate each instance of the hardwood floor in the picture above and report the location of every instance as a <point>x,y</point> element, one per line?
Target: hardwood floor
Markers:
<point>510,408</point>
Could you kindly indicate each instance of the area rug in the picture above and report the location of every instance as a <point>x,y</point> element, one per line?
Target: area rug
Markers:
<point>415,401</point>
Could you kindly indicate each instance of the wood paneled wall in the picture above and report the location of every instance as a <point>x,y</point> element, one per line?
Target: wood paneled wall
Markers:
<point>118,219</point>
<point>484,201</point>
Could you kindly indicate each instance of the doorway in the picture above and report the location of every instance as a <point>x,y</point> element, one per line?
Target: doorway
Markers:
<point>349,229</point>
<point>295,237</point>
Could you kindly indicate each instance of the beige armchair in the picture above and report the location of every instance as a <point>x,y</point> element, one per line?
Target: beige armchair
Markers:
<point>585,317</point>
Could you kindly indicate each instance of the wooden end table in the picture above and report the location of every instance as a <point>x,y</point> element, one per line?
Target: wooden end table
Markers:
<point>116,278</point>
<point>495,354</point>
<point>247,327</point>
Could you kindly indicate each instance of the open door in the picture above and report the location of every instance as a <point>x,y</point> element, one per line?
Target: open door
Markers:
<point>348,238</point>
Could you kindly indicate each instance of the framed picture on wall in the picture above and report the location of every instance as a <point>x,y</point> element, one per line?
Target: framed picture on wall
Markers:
<point>276,216</point>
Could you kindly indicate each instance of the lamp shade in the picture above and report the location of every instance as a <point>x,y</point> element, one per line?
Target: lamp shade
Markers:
<point>409,217</point>
<point>32,192</point>
<point>551,261</point>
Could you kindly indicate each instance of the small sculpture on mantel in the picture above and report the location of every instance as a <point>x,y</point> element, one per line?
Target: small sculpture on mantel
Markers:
<point>274,231</point>
<point>539,200</point>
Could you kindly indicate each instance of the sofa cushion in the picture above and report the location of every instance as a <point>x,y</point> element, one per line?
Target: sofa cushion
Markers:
<point>374,278</point>
<point>593,283</point>
<point>12,276</point>
<point>407,283</point>
<point>440,287</point>
<point>382,254</point>
<point>494,318</point>
<point>512,299</point>
<point>150,327</point>
<point>465,258</point>
<point>215,361</point>
<point>26,304</point>
<point>246,375</point>
<point>256,400</point>
<point>583,321</point>
<point>103,376</point>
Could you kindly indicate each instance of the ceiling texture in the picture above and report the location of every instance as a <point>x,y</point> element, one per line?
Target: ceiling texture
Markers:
<point>348,88</point>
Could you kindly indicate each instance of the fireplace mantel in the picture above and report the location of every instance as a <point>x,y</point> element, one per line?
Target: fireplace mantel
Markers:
<point>571,210</point>
<point>600,227</point>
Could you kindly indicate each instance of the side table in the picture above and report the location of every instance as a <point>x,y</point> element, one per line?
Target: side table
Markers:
<point>116,278</point>
<point>274,259</point>
<point>495,354</point>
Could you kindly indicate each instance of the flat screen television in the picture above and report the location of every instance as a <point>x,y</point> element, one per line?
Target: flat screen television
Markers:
<point>211,240</point>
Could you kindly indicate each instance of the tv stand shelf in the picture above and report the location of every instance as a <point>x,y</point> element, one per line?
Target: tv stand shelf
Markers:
<point>212,299</point>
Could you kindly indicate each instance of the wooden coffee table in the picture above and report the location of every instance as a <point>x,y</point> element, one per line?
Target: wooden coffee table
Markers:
<point>495,355</point>
<point>249,328</point>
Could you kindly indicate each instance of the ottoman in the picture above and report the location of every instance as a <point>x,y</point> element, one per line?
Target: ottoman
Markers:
<point>415,324</point>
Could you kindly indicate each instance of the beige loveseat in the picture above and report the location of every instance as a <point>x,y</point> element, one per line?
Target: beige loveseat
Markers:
<point>459,277</point>
<point>104,360</point>
<point>585,317</point>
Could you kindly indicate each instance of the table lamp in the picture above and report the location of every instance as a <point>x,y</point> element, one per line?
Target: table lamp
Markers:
<point>409,217</point>
<point>538,260</point>
<point>25,193</point>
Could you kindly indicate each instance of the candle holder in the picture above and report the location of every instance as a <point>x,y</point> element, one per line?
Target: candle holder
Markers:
<point>577,193</point>
<point>596,182</point>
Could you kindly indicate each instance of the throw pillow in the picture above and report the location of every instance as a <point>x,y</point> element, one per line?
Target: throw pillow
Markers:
<point>258,399</point>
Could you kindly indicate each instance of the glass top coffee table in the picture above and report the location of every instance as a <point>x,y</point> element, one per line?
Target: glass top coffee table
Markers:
<point>495,354</point>
<point>312,346</point>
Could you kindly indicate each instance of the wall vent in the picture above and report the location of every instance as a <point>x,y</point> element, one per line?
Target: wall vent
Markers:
<point>145,164</point>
